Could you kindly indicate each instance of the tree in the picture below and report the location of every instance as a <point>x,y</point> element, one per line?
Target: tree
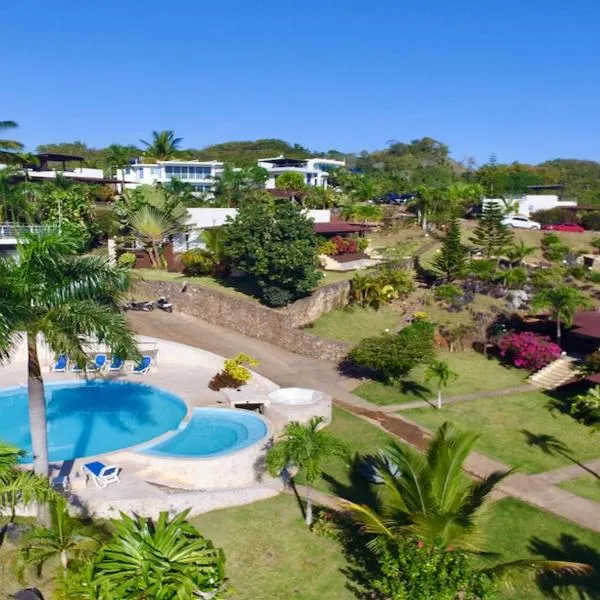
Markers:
<point>15,200</point>
<point>440,371</point>
<point>517,253</point>
<point>10,150</point>
<point>233,186</point>
<point>491,236</point>
<point>66,538</point>
<point>165,559</point>
<point>305,447</point>
<point>428,201</point>
<point>563,302</point>
<point>451,261</point>
<point>164,145</point>
<point>276,246</point>
<point>117,158</point>
<point>291,181</point>
<point>152,227</point>
<point>70,300</point>
<point>362,212</point>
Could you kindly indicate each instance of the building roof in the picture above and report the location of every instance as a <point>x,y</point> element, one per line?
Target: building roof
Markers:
<point>339,227</point>
<point>586,323</point>
<point>282,161</point>
<point>52,156</point>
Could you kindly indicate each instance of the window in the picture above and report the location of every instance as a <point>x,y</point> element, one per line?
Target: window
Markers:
<point>155,171</point>
<point>127,171</point>
<point>141,173</point>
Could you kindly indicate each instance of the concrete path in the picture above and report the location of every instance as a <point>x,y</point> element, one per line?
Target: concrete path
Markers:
<point>289,369</point>
<point>591,467</point>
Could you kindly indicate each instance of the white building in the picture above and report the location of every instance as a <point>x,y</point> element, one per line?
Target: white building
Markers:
<point>314,170</point>
<point>530,203</point>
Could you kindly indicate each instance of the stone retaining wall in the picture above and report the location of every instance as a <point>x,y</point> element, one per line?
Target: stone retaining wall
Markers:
<point>255,320</point>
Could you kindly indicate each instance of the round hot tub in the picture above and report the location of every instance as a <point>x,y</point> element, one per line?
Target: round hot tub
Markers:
<point>297,404</point>
<point>295,396</point>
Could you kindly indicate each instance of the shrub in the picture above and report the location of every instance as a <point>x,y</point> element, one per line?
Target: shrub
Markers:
<point>593,276</point>
<point>328,248</point>
<point>552,247</point>
<point>586,407</point>
<point>528,350</point>
<point>446,293</point>
<point>362,243</point>
<point>555,216</point>
<point>325,524</point>
<point>595,243</point>
<point>591,364</point>
<point>483,269</point>
<point>401,280</point>
<point>197,263</point>
<point>543,278</point>
<point>515,278</point>
<point>127,259</point>
<point>392,356</point>
<point>420,315</point>
<point>344,245</point>
<point>276,297</point>
<point>591,220</point>
<point>234,373</point>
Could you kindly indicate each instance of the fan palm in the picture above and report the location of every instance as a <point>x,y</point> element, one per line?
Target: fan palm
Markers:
<point>517,253</point>
<point>70,300</point>
<point>440,371</point>
<point>66,538</point>
<point>304,447</point>
<point>164,560</point>
<point>563,302</point>
<point>10,149</point>
<point>164,145</point>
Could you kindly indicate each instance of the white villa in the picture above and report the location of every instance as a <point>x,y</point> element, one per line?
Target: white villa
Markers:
<point>202,174</point>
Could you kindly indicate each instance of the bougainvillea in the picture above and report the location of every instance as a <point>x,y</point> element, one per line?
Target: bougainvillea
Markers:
<point>528,350</point>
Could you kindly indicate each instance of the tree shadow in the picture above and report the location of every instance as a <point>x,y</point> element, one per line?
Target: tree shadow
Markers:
<point>359,490</point>
<point>414,388</point>
<point>568,548</point>
<point>553,446</point>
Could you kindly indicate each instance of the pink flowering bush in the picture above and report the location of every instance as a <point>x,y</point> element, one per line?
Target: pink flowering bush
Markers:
<point>528,350</point>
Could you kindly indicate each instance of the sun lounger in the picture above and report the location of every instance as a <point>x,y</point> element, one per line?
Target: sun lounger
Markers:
<point>143,366</point>
<point>99,363</point>
<point>116,364</point>
<point>60,366</point>
<point>102,474</point>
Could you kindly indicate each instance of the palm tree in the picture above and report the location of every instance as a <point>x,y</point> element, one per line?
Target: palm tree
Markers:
<point>510,206</point>
<point>304,447</point>
<point>69,300</point>
<point>66,538</point>
<point>519,252</point>
<point>153,227</point>
<point>15,204</point>
<point>117,158</point>
<point>166,559</point>
<point>164,145</point>
<point>439,370</point>
<point>563,302</point>
<point>10,149</point>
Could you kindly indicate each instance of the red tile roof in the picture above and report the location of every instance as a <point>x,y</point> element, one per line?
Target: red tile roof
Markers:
<point>339,227</point>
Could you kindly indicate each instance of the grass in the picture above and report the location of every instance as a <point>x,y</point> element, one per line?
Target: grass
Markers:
<point>271,553</point>
<point>476,373</point>
<point>518,430</point>
<point>586,486</point>
<point>516,530</point>
<point>352,324</point>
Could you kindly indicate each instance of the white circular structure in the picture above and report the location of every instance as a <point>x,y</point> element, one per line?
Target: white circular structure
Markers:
<point>297,404</point>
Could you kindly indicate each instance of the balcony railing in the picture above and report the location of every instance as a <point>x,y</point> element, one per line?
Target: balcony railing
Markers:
<point>15,230</point>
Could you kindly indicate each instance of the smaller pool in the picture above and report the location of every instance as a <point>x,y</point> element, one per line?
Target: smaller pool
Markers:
<point>212,432</point>
<point>294,396</point>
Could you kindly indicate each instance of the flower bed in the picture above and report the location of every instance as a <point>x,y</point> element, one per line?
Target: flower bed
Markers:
<point>528,350</point>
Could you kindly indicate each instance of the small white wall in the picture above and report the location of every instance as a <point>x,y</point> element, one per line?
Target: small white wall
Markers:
<point>531,203</point>
<point>200,218</point>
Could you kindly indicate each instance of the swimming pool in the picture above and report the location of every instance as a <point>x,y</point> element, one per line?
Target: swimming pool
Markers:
<point>212,432</point>
<point>86,418</point>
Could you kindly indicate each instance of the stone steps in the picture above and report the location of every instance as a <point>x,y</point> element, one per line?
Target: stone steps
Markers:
<point>557,373</point>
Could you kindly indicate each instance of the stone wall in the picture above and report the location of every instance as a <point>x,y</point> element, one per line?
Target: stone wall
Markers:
<point>253,319</point>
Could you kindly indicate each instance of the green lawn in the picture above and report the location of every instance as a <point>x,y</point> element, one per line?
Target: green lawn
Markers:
<point>476,373</point>
<point>586,486</point>
<point>516,530</point>
<point>352,324</point>
<point>519,430</point>
<point>271,554</point>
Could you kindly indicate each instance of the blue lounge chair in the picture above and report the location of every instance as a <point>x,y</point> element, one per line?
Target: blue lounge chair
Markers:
<point>102,475</point>
<point>60,366</point>
<point>99,363</point>
<point>76,368</point>
<point>116,364</point>
<point>143,366</point>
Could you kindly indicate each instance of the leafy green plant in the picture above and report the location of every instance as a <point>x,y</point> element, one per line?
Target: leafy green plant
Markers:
<point>595,243</point>
<point>446,293</point>
<point>515,278</point>
<point>486,270</point>
<point>234,373</point>
<point>590,365</point>
<point>328,247</point>
<point>127,260</point>
<point>440,371</point>
<point>197,263</point>
<point>586,407</point>
<point>275,296</point>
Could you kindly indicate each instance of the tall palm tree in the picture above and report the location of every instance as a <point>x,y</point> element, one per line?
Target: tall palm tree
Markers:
<point>563,302</point>
<point>517,253</point>
<point>15,201</point>
<point>10,150</point>
<point>164,145</point>
<point>117,158</point>
<point>440,371</point>
<point>66,538</point>
<point>166,559</point>
<point>304,447</point>
<point>68,299</point>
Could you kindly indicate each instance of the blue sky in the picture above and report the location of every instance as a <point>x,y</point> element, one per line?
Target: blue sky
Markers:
<point>514,77</point>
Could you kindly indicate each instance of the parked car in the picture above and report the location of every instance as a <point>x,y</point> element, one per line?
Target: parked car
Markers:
<point>521,222</point>
<point>573,227</point>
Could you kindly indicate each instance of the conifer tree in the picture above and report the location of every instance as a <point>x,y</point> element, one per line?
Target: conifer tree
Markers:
<point>451,261</point>
<point>491,236</point>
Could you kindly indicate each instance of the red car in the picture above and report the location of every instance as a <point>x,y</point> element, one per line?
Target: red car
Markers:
<point>573,227</point>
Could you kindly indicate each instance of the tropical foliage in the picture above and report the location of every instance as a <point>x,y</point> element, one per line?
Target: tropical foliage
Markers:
<point>440,371</point>
<point>10,150</point>
<point>374,290</point>
<point>164,145</point>
<point>527,350</point>
<point>305,448</point>
<point>235,186</point>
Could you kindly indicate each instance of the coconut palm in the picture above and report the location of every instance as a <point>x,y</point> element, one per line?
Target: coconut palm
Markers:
<point>66,538</point>
<point>440,371</point>
<point>166,559</point>
<point>10,150</point>
<point>304,447</point>
<point>68,299</point>
<point>563,302</point>
<point>164,145</point>
<point>517,253</point>
<point>117,158</point>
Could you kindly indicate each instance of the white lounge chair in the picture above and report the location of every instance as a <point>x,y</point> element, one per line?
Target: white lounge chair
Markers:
<point>102,475</point>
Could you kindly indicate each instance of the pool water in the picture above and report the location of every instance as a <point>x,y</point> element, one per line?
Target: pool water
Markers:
<point>86,418</point>
<point>212,432</point>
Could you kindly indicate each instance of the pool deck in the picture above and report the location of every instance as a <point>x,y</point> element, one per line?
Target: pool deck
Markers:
<point>182,370</point>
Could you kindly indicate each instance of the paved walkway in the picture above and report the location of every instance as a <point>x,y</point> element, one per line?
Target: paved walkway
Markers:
<point>289,369</point>
<point>591,467</point>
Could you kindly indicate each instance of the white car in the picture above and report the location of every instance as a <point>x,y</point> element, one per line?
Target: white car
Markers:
<point>520,222</point>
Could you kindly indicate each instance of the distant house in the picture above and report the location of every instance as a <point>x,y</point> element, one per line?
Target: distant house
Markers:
<point>314,170</point>
<point>530,203</point>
